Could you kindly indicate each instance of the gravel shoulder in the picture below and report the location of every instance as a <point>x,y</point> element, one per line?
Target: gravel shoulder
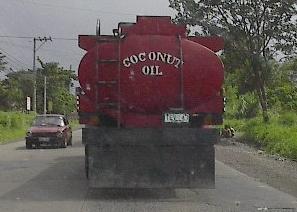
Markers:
<point>272,170</point>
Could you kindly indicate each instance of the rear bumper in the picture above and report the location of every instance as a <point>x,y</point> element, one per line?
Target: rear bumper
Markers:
<point>151,158</point>
<point>38,141</point>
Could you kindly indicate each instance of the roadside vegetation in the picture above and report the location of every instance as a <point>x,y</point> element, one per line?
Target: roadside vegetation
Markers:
<point>278,135</point>
<point>74,123</point>
<point>13,125</point>
<point>17,85</point>
<point>261,88</point>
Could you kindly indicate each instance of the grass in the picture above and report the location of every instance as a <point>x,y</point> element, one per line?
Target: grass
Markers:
<point>13,125</point>
<point>74,124</point>
<point>238,124</point>
<point>278,136</point>
<point>11,135</point>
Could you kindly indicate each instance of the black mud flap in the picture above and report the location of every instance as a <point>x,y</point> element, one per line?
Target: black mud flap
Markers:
<point>151,158</point>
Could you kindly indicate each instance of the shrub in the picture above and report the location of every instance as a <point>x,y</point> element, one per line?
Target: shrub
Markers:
<point>248,106</point>
<point>17,120</point>
<point>278,136</point>
<point>13,125</point>
<point>237,124</point>
<point>288,119</point>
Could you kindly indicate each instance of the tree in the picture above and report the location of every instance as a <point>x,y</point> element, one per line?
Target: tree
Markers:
<point>59,80</point>
<point>64,102</point>
<point>2,88</point>
<point>18,85</point>
<point>3,95</point>
<point>2,62</point>
<point>255,31</point>
<point>15,88</point>
<point>283,90</point>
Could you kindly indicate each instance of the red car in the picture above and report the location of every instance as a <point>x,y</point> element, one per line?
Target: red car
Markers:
<point>49,129</point>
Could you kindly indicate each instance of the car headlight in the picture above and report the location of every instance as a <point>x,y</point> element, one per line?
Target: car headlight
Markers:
<point>29,133</point>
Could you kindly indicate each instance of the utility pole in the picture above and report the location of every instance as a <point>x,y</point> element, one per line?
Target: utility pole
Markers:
<point>70,68</point>
<point>34,72</point>
<point>44,96</point>
<point>43,41</point>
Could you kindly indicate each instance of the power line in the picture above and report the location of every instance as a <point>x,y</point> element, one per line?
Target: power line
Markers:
<point>27,37</point>
<point>14,58</point>
<point>11,61</point>
<point>12,65</point>
<point>17,45</point>
<point>69,54</point>
<point>6,12</point>
<point>23,64</point>
<point>80,9</point>
<point>11,36</point>
<point>57,38</point>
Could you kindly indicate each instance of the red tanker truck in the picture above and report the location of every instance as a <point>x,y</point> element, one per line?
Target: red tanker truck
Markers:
<point>150,99</point>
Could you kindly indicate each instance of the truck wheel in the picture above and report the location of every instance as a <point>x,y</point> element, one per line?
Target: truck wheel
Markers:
<point>86,161</point>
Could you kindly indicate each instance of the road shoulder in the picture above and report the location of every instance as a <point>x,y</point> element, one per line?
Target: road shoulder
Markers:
<point>274,171</point>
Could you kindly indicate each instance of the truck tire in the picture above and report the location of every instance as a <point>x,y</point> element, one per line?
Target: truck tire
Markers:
<point>86,162</point>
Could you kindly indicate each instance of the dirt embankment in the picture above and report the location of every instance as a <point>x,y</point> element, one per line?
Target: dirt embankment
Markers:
<point>272,170</point>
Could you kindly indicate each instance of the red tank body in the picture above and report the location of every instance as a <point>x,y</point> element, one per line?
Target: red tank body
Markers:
<point>146,93</point>
<point>145,70</point>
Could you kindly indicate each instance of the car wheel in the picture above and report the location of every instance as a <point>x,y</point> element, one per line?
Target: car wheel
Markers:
<point>28,146</point>
<point>56,145</point>
<point>37,146</point>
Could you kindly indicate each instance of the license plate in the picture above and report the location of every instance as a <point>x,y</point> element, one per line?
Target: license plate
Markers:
<point>44,139</point>
<point>176,118</point>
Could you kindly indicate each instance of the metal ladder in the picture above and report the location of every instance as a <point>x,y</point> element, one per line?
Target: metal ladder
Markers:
<point>108,83</point>
<point>181,55</point>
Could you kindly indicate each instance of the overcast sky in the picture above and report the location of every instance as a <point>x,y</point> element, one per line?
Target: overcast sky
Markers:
<point>63,19</point>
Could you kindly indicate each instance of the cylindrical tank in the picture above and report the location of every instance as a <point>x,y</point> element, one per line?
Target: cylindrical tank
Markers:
<point>149,70</point>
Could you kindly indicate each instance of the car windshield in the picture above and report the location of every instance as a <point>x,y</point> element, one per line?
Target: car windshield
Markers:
<point>48,120</point>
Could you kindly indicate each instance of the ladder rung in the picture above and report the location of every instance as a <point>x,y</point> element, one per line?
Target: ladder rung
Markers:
<point>103,40</point>
<point>108,104</point>
<point>108,82</point>
<point>108,61</point>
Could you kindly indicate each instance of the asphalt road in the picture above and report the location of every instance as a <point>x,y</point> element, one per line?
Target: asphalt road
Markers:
<point>53,180</point>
